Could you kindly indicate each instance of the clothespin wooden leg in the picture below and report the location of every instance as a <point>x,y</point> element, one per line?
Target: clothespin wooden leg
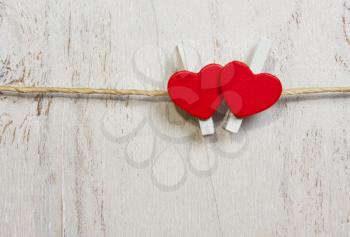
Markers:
<point>189,63</point>
<point>261,53</point>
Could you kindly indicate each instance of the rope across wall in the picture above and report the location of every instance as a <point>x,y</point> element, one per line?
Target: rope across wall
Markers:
<point>150,93</point>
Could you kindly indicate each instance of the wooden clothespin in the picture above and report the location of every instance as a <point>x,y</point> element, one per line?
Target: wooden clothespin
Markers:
<point>190,63</point>
<point>261,53</point>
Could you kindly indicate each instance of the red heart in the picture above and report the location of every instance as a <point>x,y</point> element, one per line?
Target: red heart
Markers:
<point>246,93</point>
<point>197,93</point>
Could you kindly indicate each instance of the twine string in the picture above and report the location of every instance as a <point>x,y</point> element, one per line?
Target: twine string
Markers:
<point>151,93</point>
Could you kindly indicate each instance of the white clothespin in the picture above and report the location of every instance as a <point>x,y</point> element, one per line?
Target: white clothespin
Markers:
<point>257,63</point>
<point>190,63</point>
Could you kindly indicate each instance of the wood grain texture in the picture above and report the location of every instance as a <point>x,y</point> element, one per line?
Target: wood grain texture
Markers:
<point>104,166</point>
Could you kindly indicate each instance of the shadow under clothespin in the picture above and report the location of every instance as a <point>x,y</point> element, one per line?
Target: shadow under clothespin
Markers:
<point>188,61</point>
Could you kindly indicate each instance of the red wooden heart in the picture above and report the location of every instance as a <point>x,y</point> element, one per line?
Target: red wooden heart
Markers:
<point>197,93</point>
<point>246,93</point>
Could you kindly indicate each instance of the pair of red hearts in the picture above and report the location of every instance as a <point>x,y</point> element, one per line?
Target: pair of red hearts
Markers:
<point>200,94</point>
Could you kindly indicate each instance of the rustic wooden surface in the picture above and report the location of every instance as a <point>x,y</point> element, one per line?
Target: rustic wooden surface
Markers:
<point>89,166</point>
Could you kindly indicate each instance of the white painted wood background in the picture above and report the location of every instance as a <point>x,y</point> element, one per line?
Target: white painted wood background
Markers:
<point>92,166</point>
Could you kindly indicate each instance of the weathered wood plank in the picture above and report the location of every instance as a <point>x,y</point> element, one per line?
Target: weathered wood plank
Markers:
<point>87,166</point>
